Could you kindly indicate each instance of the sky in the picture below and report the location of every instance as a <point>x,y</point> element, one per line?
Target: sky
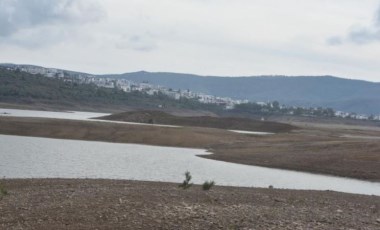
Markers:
<point>206,37</point>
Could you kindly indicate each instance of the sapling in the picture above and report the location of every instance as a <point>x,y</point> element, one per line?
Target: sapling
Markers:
<point>186,183</point>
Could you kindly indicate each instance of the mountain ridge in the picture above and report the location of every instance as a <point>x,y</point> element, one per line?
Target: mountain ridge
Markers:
<point>325,91</point>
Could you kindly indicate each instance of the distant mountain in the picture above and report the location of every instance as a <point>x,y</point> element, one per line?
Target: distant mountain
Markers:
<point>325,91</point>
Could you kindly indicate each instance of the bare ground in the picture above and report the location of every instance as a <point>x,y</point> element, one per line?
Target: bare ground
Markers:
<point>112,204</point>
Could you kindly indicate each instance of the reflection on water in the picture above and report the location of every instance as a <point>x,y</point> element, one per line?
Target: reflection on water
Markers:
<point>250,132</point>
<point>32,157</point>
<point>72,115</point>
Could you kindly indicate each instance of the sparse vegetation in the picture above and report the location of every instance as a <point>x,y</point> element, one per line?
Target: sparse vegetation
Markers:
<point>207,185</point>
<point>186,183</point>
<point>3,191</point>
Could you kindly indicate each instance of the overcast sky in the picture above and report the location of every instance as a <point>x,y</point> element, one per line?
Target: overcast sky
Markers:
<point>207,37</point>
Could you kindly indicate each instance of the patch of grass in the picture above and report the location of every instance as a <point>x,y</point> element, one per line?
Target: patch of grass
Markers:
<point>186,183</point>
<point>207,185</point>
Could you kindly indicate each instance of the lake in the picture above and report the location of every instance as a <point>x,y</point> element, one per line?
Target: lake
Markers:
<point>32,157</point>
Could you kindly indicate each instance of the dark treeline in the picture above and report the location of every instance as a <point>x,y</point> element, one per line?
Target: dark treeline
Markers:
<point>274,108</point>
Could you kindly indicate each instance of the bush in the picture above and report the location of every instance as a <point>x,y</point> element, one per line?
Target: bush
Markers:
<point>186,183</point>
<point>207,185</point>
<point>3,191</point>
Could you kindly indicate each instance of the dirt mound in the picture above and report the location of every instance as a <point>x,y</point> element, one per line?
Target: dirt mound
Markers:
<point>234,123</point>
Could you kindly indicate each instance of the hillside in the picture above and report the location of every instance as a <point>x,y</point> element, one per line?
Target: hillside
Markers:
<point>24,88</point>
<point>325,91</point>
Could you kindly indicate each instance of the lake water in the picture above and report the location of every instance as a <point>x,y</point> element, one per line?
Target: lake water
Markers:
<point>32,157</point>
<point>250,132</point>
<point>72,115</point>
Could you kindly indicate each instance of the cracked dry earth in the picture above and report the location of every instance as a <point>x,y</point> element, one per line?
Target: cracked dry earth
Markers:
<point>116,204</point>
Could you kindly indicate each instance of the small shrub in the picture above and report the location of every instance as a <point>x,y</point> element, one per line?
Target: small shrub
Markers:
<point>186,183</point>
<point>207,185</point>
<point>3,191</point>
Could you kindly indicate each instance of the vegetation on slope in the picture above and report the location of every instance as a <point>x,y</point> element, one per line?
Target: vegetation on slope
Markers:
<point>22,87</point>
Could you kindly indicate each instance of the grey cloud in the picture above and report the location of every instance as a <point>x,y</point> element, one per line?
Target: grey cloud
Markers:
<point>144,42</point>
<point>37,38</point>
<point>364,35</point>
<point>360,35</point>
<point>334,41</point>
<point>16,15</point>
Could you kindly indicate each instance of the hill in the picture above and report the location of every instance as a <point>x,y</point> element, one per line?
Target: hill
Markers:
<point>325,91</point>
<point>24,88</point>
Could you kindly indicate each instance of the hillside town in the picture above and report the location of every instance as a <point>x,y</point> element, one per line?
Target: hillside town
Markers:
<point>145,87</point>
<point>128,86</point>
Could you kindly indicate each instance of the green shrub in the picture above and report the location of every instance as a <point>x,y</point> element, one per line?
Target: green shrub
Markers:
<point>186,183</point>
<point>207,185</point>
<point>3,191</point>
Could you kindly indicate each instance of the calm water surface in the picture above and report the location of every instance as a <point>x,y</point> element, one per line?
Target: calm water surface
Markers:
<point>72,115</point>
<point>32,157</point>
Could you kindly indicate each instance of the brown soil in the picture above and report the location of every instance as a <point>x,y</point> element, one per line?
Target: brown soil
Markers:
<point>234,123</point>
<point>121,133</point>
<point>103,108</point>
<point>311,149</point>
<point>111,204</point>
<point>305,151</point>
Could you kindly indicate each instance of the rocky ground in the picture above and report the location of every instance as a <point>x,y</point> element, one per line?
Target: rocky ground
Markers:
<point>111,204</point>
